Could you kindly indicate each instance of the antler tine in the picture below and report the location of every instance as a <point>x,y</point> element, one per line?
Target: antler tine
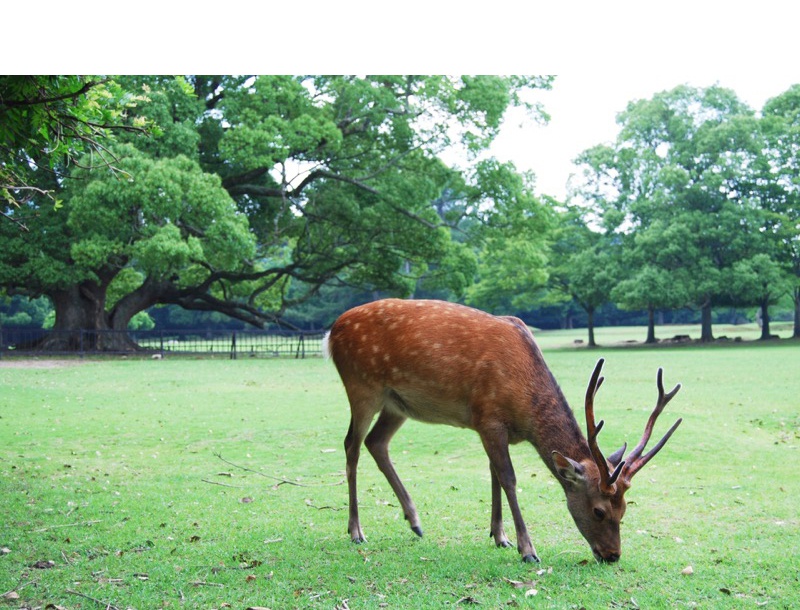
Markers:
<point>592,430</point>
<point>635,459</point>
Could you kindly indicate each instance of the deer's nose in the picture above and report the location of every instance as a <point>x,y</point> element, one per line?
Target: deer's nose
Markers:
<point>606,556</point>
<point>611,557</point>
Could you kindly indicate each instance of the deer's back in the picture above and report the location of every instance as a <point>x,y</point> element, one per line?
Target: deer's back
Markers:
<point>434,360</point>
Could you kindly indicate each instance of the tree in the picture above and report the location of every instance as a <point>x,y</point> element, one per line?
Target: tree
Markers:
<point>681,171</point>
<point>584,265</point>
<point>649,288</point>
<point>781,126</point>
<point>511,241</point>
<point>758,280</point>
<point>47,123</point>
<point>260,191</point>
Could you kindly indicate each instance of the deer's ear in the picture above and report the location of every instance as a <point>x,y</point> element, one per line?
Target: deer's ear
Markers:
<point>569,470</point>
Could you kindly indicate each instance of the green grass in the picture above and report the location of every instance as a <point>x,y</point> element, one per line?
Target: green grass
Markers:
<point>112,470</point>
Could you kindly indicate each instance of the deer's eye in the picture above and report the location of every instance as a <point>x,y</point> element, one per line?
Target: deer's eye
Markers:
<point>599,513</point>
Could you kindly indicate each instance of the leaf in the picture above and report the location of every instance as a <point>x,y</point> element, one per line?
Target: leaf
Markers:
<point>468,600</point>
<point>43,565</point>
<point>520,584</point>
<point>687,571</point>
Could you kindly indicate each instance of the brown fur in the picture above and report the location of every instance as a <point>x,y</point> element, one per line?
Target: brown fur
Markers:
<point>445,363</point>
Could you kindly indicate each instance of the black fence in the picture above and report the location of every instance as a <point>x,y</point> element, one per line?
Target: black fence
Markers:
<point>226,343</point>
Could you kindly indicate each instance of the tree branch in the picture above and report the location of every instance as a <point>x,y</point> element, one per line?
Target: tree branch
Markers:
<point>48,100</point>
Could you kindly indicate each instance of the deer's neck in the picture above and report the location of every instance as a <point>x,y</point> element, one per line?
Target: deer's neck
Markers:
<point>555,427</point>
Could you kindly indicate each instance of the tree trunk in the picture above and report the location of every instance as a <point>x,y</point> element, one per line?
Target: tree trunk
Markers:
<point>765,334</point>
<point>82,323</point>
<point>796,333</point>
<point>651,325</point>
<point>590,317</point>
<point>706,333</point>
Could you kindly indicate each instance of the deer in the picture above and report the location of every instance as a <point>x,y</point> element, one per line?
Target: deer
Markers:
<point>446,363</point>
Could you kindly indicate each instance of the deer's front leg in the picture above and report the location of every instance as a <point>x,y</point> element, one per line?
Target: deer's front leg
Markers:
<point>496,445</point>
<point>496,529</point>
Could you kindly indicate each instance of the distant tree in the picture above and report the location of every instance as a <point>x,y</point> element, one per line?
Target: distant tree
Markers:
<point>511,242</point>
<point>650,288</point>
<point>584,266</point>
<point>680,173</point>
<point>780,191</point>
<point>758,280</point>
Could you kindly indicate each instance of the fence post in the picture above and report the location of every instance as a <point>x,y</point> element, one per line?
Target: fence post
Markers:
<point>233,346</point>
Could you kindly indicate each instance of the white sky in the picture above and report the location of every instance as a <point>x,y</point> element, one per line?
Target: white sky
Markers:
<point>583,111</point>
<point>605,54</point>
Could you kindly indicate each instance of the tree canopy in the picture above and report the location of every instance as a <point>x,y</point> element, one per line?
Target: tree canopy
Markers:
<point>688,187</point>
<point>255,192</point>
<point>47,123</point>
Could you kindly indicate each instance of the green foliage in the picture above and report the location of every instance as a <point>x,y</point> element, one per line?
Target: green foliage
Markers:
<point>170,218</point>
<point>19,311</point>
<point>691,189</point>
<point>257,191</point>
<point>141,321</point>
<point>48,122</point>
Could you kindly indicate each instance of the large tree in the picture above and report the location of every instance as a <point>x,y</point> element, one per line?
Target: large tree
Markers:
<point>259,191</point>
<point>679,172</point>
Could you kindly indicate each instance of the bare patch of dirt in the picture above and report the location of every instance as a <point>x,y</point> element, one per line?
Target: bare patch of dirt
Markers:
<point>35,363</point>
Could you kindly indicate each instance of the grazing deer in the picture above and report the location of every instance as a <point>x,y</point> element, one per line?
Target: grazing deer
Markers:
<point>444,363</point>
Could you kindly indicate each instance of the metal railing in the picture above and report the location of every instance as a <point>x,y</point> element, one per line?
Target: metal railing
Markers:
<point>226,343</point>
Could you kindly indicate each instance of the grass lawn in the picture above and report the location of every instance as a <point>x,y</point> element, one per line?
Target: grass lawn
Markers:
<point>186,483</point>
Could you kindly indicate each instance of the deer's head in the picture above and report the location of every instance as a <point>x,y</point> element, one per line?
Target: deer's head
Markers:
<point>595,487</point>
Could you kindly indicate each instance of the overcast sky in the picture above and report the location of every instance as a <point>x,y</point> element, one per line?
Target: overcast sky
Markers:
<point>583,111</point>
<point>605,54</point>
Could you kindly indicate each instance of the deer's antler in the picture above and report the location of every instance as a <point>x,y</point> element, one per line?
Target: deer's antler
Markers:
<point>607,479</point>
<point>635,460</point>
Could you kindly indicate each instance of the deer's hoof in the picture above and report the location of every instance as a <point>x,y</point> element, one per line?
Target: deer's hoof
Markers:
<point>417,530</point>
<point>533,558</point>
